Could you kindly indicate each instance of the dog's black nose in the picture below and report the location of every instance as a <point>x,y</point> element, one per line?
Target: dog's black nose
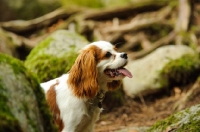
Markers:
<point>124,55</point>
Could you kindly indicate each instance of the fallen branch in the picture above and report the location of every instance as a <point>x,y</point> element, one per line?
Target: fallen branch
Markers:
<point>19,26</point>
<point>133,8</point>
<point>141,21</point>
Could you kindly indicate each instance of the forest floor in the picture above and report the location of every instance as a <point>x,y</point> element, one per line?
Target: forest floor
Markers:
<point>136,115</point>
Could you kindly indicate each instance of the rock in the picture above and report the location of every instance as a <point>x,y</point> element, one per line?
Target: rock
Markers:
<point>187,120</point>
<point>55,55</point>
<point>7,46</point>
<point>166,66</point>
<point>22,102</point>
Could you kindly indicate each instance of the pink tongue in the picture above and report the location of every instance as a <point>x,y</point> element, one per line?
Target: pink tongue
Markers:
<point>125,72</point>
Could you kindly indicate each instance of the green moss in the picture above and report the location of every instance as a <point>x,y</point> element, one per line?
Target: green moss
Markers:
<point>85,3</point>
<point>162,125</point>
<point>55,55</point>
<point>18,68</point>
<point>184,121</point>
<point>48,67</point>
<point>181,71</point>
<point>16,65</point>
<point>41,45</point>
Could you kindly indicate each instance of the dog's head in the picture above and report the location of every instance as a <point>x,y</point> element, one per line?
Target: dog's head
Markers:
<point>98,63</point>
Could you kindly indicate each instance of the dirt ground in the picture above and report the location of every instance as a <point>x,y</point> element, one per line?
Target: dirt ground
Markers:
<point>145,111</point>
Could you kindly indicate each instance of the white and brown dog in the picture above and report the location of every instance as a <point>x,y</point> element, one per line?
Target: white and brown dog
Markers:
<point>75,98</point>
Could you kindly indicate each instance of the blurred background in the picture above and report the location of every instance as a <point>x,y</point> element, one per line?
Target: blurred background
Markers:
<point>161,37</point>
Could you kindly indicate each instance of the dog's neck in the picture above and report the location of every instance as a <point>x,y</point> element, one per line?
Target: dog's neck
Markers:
<point>97,100</point>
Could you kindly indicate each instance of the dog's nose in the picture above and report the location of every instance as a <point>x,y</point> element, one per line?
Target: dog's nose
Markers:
<point>124,55</point>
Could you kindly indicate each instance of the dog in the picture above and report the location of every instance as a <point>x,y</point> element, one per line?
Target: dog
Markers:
<point>75,99</point>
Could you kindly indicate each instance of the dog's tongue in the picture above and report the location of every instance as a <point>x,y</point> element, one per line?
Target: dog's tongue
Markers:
<point>125,72</point>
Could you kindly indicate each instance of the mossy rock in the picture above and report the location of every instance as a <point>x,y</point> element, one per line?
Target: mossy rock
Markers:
<point>167,66</point>
<point>181,71</point>
<point>55,55</point>
<point>187,120</point>
<point>22,102</point>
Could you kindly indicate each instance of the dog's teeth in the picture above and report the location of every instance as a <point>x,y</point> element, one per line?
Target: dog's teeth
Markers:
<point>111,74</point>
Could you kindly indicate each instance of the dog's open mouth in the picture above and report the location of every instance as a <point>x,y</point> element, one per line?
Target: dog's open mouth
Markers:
<point>116,72</point>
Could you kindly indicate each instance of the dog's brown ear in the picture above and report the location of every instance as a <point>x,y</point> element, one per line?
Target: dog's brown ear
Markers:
<point>83,75</point>
<point>114,85</point>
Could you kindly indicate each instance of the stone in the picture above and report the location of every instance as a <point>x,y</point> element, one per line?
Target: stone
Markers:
<point>23,105</point>
<point>55,55</point>
<point>187,120</point>
<point>160,68</point>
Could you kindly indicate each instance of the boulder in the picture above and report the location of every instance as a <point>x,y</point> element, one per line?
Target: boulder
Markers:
<point>22,102</point>
<point>187,120</point>
<point>167,66</point>
<point>55,55</point>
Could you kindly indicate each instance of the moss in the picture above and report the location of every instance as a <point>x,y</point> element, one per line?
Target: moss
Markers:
<point>181,71</point>
<point>19,69</point>
<point>184,121</point>
<point>162,125</point>
<point>55,55</point>
<point>41,45</point>
<point>48,67</point>
<point>16,65</point>
<point>85,3</point>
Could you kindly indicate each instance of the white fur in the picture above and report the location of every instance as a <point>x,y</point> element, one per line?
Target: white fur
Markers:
<point>74,109</point>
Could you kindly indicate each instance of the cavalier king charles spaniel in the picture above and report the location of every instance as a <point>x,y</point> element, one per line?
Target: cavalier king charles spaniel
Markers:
<point>75,98</point>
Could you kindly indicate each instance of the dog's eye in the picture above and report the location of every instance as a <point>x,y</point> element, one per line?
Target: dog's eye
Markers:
<point>108,54</point>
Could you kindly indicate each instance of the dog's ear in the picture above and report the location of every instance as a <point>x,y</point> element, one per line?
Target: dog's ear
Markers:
<point>83,75</point>
<point>114,85</point>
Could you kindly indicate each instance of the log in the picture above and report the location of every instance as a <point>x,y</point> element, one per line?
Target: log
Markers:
<point>126,11</point>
